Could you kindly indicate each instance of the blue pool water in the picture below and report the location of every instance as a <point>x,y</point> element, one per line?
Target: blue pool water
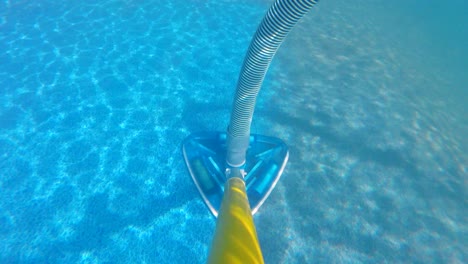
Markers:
<point>96,98</point>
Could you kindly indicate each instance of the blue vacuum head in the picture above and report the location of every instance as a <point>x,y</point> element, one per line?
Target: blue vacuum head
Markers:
<point>205,156</point>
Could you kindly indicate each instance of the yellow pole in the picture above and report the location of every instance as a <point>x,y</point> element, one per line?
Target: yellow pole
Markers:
<point>235,239</point>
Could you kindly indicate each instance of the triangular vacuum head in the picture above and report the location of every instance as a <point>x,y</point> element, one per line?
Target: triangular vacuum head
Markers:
<point>205,156</point>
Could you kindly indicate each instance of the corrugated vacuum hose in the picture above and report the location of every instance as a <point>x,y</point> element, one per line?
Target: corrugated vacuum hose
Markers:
<point>275,26</point>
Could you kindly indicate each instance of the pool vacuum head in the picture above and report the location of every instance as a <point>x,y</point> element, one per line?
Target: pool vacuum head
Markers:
<point>205,156</point>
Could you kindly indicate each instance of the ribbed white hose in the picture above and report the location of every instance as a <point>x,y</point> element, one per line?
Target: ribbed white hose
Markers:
<point>276,24</point>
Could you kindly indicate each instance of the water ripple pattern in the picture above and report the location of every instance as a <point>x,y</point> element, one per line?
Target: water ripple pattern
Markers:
<point>97,96</point>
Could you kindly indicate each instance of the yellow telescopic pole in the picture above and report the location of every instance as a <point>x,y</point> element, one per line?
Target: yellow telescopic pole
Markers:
<point>235,239</point>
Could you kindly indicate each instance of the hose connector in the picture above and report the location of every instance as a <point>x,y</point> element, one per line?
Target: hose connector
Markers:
<point>236,149</point>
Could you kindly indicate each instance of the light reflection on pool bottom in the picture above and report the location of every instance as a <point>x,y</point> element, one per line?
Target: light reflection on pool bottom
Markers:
<point>377,163</point>
<point>97,99</point>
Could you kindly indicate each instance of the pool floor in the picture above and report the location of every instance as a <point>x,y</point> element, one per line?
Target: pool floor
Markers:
<point>96,98</point>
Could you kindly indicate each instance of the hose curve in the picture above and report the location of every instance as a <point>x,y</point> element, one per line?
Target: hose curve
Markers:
<point>279,20</point>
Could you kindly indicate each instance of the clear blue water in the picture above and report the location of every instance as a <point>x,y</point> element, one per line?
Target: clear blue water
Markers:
<point>96,98</point>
